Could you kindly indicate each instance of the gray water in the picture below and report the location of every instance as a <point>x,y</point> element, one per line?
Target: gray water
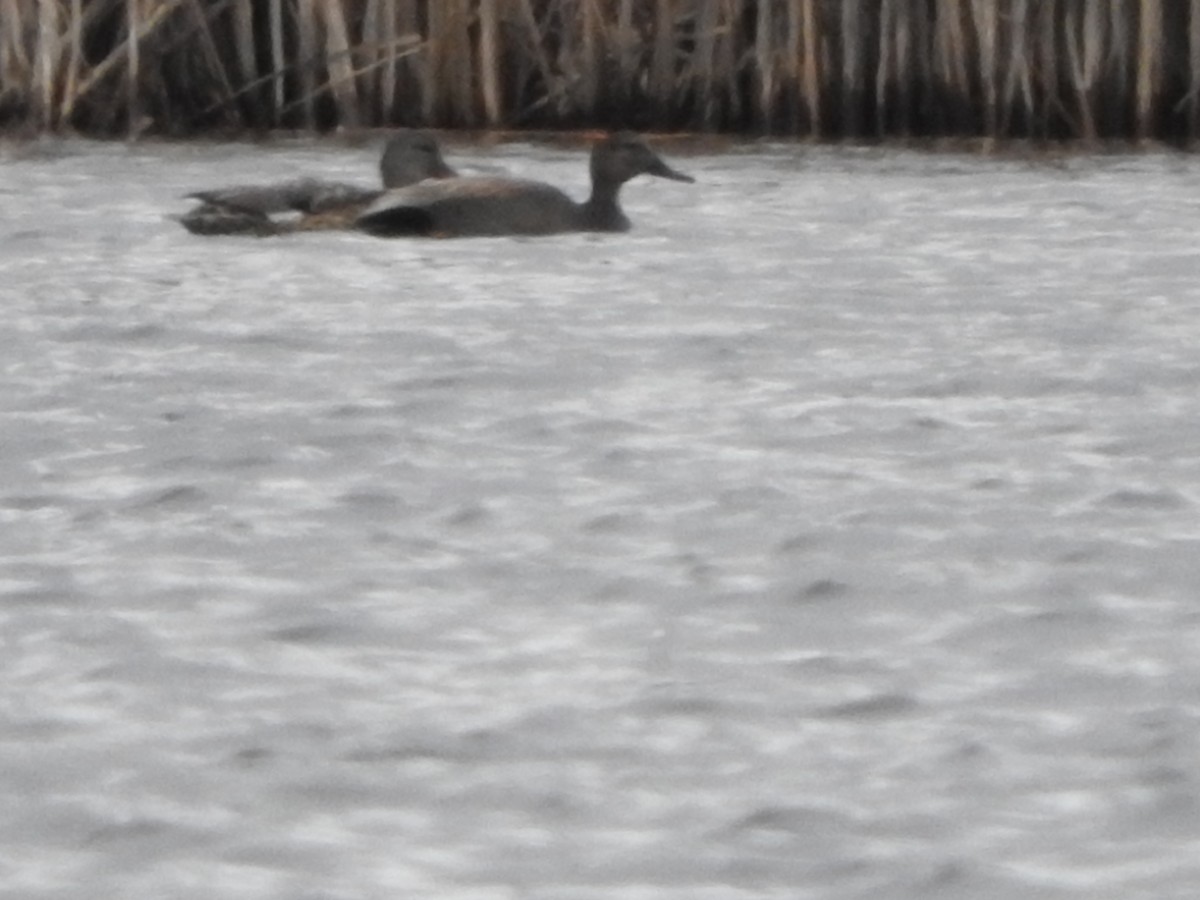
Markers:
<point>833,534</point>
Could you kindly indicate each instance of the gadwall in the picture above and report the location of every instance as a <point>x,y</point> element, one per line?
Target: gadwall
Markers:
<point>410,156</point>
<point>476,206</point>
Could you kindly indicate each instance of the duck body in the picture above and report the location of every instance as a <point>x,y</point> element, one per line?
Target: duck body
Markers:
<point>482,207</point>
<point>409,157</point>
<point>478,207</point>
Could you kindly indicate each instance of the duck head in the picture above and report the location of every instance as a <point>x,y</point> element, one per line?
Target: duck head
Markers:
<point>624,155</point>
<point>412,156</point>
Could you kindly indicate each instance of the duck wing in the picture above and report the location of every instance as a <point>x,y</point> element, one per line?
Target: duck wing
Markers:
<point>471,206</point>
<point>305,195</point>
<point>213,219</point>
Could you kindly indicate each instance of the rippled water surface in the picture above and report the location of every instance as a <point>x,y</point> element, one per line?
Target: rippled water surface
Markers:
<point>833,534</point>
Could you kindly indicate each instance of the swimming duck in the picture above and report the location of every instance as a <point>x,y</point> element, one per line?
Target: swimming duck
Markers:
<point>476,206</point>
<point>409,157</point>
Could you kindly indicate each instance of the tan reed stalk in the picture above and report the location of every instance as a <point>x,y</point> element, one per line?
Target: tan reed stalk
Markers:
<point>1121,19</point>
<point>11,28</point>
<point>906,73</point>
<point>1019,76</point>
<point>490,77</point>
<point>812,69</point>
<point>448,94</point>
<point>1122,46</point>
<point>591,49</point>
<point>1095,48</point>
<point>398,43</point>
<point>552,85</point>
<point>404,50</point>
<point>1048,65</point>
<point>461,63</point>
<point>244,41</point>
<point>133,48</point>
<point>662,59</point>
<point>1193,95</point>
<point>558,21</point>
<point>853,86</point>
<point>47,53</point>
<point>16,73</point>
<point>367,56</point>
<point>435,52</point>
<point>339,64</point>
<point>984,14</point>
<point>1149,65</point>
<point>884,73</point>
<point>704,62</point>
<point>924,90</point>
<point>1077,70</point>
<point>306,28</point>
<point>216,63</point>
<point>411,80</point>
<point>731,61</point>
<point>626,48</point>
<point>387,84</point>
<point>764,56</point>
<point>117,56</point>
<point>278,63</point>
<point>1084,40</point>
<point>75,59</point>
<point>792,66</point>
<point>952,64</point>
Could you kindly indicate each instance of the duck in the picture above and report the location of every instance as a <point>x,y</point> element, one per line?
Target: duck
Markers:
<point>410,156</point>
<point>470,206</point>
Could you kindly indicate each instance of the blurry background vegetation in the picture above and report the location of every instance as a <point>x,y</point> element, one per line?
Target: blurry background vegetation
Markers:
<point>820,68</point>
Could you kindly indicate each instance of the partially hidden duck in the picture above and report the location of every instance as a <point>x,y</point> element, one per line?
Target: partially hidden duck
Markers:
<point>411,156</point>
<point>479,206</point>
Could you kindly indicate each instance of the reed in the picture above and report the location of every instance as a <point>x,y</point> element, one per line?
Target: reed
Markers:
<point>1090,69</point>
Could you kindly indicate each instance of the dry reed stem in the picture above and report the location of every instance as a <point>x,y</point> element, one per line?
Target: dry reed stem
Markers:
<point>1149,64</point>
<point>387,87</point>
<point>662,59</point>
<point>626,47</point>
<point>1019,77</point>
<point>491,78</point>
<point>339,64</point>
<point>133,47</point>
<point>704,62</point>
<point>244,43</point>
<point>307,40</point>
<point>589,70</point>
<point>212,54</point>
<point>275,12</point>
<point>366,54</point>
<point>1193,95</point>
<point>49,51</point>
<point>986,27</point>
<point>1085,68</point>
<point>764,62</point>
<point>811,68</point>
<point>853,64</point>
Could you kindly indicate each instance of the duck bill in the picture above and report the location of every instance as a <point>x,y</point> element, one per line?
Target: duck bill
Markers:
<point>441,170</point>
<point>662,170</point>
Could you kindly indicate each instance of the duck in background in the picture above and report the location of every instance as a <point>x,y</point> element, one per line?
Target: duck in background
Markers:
<point>410,156</point>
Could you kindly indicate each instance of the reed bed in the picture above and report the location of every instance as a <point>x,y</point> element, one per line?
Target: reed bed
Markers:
<point>821,68</point>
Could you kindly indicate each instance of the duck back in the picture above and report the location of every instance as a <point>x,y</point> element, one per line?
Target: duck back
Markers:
<point>473,207</point>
